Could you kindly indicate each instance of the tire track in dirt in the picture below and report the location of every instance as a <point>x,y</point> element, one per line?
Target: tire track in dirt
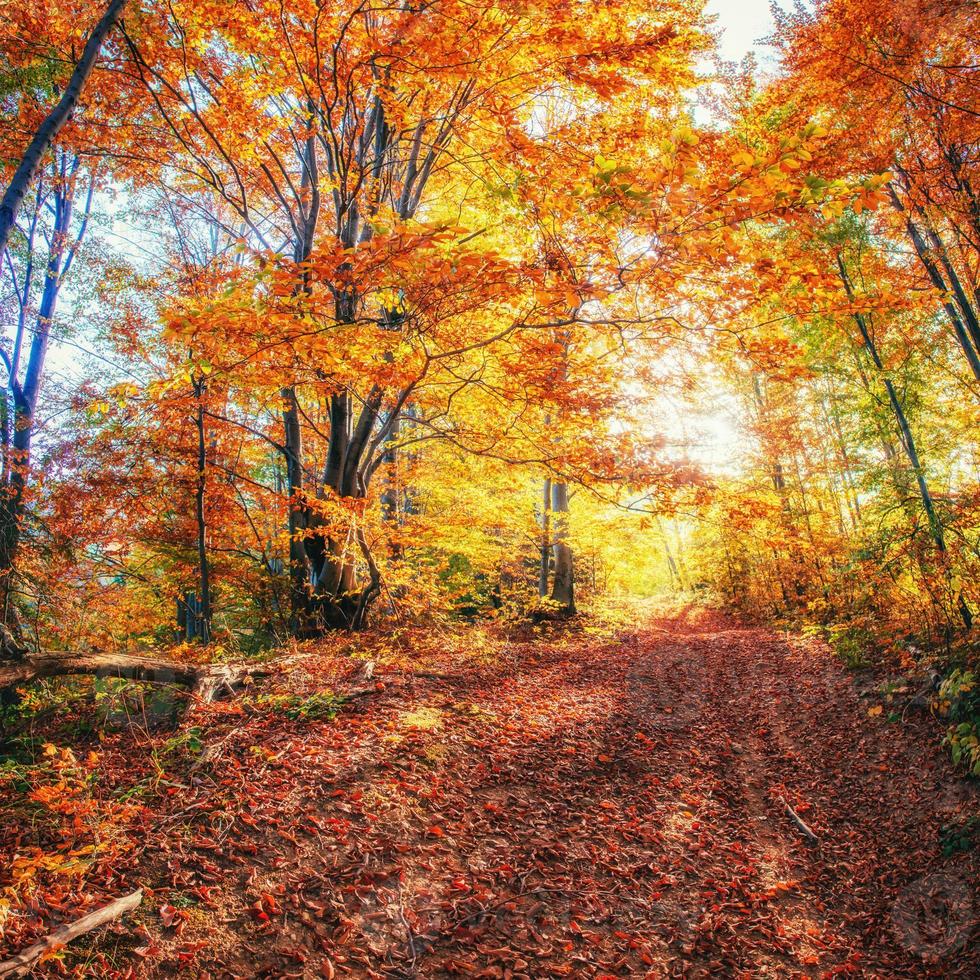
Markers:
<point>797,730</point>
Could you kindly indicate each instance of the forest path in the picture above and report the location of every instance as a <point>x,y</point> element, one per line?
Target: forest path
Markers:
<point>575,807</point>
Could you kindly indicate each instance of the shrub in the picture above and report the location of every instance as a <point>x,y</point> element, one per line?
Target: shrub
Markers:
<point>959,703</point>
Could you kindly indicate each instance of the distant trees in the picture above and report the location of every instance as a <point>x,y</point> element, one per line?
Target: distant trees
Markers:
<point>873,303</point>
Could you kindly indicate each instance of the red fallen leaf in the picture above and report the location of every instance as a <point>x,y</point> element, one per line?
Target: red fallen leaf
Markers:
<point>436,831</point>
<point>326,969</point>
<point>173,918</point>
<point>258,912</point>
<point>189,951</point>
<point>203,892</point>
<point>463,967</point>
<point>606,805</point>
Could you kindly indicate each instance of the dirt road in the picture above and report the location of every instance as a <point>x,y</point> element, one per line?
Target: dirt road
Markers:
<point>581,808</point>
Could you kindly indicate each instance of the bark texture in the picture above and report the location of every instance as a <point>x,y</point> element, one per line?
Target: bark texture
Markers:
<point>204,680</point>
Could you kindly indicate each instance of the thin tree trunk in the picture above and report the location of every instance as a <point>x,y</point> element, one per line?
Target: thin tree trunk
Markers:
<point>391,496</point>
<point>966,309</point>
<point>683,573</point>
<point>54,121</point>
<point>675,576</point>
<point>907,440</point>
<point>544,563</point>
<point>25,398</point>
<point>778,477</point>
<point>967,345</point>
<point>204,567</point>
<point>847,475</point>
<point>563,587</point>
<point>299,566</point>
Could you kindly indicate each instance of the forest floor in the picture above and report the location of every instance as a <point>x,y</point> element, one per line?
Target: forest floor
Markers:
<point>566,804</point>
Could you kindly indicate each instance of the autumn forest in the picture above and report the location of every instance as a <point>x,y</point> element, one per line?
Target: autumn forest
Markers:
<point>489,488</point>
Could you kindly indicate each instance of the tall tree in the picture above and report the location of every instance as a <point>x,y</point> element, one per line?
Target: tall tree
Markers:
<point>37,267</point>
<point>44,136</point>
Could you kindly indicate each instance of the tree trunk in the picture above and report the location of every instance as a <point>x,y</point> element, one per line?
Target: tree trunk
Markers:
<point>298,520</point>
<point>391,509</point>
<point>332,553</point>
<point>675,575</point>
<point>204,567</point>
<point>334,600</point>
<point>23,963</point>
<point>205,680</point>
<point>907,440</point>
<point>544,563</point>
<point>31,161</point>
<point>25,398</point>
<point>848,482</point>
<point>967,345</point>
<point>563,587</point>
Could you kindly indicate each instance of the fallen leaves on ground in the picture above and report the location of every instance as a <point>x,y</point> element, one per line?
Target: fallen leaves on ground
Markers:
<point>551,805</point>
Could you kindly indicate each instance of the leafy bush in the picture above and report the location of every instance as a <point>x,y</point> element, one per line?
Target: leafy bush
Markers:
<point>959,703</point>
<point>851,643</point>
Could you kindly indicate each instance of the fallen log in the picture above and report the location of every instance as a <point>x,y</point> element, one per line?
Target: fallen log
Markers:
<point>22,963</point>
<point>204,680</point>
